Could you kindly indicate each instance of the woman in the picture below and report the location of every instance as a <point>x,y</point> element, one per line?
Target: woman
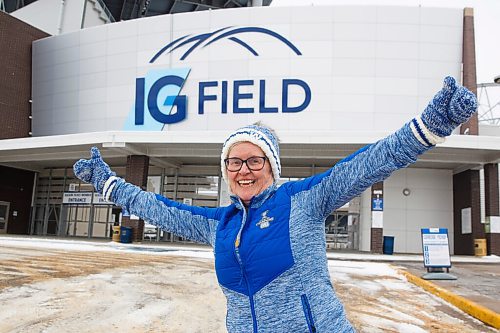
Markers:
<point>269,244</point>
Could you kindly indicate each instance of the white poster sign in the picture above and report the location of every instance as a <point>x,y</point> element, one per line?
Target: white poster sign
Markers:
<point>84,198</point>
<point>99,200</point>
<point>466,221</point>
<point>377,219</point>
<point>435,247</point>
<point>495,224</point>
<point>77,198</point>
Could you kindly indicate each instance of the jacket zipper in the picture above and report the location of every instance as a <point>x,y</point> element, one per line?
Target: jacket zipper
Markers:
<point>246,217</point>
<point>308,314</point>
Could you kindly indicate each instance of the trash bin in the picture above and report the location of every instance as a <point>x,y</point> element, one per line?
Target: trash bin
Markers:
<point>116,233</point>
<point>480,247</point>
<point>388,244</point>
<point>125,234</point>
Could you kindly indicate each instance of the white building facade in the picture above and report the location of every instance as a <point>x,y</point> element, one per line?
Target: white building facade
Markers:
<point>329,80</point>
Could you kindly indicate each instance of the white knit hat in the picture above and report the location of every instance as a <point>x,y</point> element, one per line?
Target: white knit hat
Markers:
<point>259,136</point>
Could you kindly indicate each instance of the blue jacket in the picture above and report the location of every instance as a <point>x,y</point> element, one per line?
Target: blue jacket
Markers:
<point>270,258</point>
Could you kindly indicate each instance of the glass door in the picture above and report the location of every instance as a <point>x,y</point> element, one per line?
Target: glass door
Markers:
<point>4,216</point>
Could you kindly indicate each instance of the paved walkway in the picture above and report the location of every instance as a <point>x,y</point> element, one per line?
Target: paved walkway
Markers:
<point>478,278</point>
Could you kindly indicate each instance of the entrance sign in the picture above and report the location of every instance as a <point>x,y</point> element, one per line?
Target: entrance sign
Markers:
<point>99,200</point>
<point>84,198</point>
<point>77,198</point>
<point>436,253</point>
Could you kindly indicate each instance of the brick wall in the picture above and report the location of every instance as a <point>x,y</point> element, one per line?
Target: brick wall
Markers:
<point>466,194</point>
<point>136,173</point>
<point>377,234</point>
<point>492,200</point>
<point>16,38</point>
<point>469,67</point>
<point>491,195</point>
<point>377,240</point>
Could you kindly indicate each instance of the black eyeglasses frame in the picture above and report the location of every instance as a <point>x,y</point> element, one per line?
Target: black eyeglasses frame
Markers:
<point>226,163</point>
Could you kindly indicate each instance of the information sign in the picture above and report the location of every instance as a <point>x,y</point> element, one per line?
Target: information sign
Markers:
<point>84,198</point>
<point>435,247</point>
<point>77,198</point>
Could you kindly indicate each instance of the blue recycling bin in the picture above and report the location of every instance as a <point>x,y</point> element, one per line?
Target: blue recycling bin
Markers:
<point>388,244</point>
<point>125,235</point>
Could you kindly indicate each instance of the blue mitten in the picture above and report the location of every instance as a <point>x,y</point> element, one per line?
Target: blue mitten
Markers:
<point>450,107</point>
<point>94,171</point>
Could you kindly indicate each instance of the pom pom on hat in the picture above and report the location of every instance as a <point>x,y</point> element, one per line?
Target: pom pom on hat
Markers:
<point>259,136</point>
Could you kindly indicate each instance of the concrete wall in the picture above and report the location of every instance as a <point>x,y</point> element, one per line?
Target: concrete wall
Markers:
<point>429,205</point>
<point>368,68</point>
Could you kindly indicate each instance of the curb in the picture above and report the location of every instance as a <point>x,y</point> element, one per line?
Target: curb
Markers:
<point>477,311</point>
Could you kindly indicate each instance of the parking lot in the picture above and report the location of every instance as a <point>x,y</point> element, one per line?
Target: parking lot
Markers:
<point>67,285</point>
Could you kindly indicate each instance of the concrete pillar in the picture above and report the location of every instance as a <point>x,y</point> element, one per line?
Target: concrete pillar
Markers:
<point>466,203</point>
<point>137,174</point>
<point>491,204</point>
<point>377,208</point>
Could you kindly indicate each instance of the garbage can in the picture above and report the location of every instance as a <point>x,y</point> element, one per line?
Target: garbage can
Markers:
<point>480,247</point>
<point>125,234</point>
<point>116,233</point>
<point>388,244</point>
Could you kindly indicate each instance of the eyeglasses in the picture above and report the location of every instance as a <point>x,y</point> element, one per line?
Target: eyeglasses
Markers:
<point>254,163</point>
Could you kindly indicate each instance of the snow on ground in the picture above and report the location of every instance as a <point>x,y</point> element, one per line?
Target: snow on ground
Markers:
<point>67,285</point>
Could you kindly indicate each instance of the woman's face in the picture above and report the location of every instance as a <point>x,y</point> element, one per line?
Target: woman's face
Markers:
<point>247,183</point>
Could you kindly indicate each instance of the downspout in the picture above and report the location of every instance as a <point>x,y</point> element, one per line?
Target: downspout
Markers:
<point>256,3</point>
<point>84,14</point>
<point>33,204</point>
<point>61,16</point>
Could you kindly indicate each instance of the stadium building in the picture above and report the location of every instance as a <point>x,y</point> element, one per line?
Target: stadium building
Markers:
<point>158,94</point>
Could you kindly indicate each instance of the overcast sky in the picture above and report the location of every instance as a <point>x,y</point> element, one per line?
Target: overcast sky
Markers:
<point>486,28</point>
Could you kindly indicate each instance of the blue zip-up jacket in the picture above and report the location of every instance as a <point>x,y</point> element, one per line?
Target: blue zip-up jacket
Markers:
<point>270,258</point>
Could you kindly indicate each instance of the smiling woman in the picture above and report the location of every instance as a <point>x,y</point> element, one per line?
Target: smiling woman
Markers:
<point>248,173</point>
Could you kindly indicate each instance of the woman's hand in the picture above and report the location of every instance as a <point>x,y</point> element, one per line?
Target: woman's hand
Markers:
<point>450,107</point>
<point>94,170</point>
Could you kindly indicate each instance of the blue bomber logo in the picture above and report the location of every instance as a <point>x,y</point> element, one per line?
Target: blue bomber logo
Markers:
<point>159,91</point>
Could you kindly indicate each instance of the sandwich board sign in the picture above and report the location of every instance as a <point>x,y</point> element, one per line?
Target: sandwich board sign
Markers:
<point>436,252</point>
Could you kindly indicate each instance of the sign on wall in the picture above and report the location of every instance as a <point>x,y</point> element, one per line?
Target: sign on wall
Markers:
<point>84,198</point>
<point>301,75</point>
<point>466,220</point>
<point>494,224</point>
<point>159,99</point>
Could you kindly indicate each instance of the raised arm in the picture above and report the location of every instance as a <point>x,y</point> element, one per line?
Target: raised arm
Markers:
<point>195,223</point>
<point>321,194</point>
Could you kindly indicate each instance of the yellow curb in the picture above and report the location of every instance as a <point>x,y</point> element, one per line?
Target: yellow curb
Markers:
<point>486,315</point>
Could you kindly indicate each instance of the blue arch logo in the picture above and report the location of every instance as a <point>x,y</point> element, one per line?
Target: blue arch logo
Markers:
<point>212,37</point>
<point>158,100</point>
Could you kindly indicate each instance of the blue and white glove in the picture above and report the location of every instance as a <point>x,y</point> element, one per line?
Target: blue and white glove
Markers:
<point>450,107</point>
<point>95,171</point>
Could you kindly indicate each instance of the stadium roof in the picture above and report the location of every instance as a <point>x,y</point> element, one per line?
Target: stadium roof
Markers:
<point>131,9</point>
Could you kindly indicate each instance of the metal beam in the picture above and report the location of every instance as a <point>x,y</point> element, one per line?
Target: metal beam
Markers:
<point>134,149</point>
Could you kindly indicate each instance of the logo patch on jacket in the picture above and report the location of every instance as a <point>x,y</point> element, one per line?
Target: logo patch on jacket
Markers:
<point>265,221</point>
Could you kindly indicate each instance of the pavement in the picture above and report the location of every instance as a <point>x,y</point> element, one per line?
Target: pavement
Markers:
<point>476,290</point>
